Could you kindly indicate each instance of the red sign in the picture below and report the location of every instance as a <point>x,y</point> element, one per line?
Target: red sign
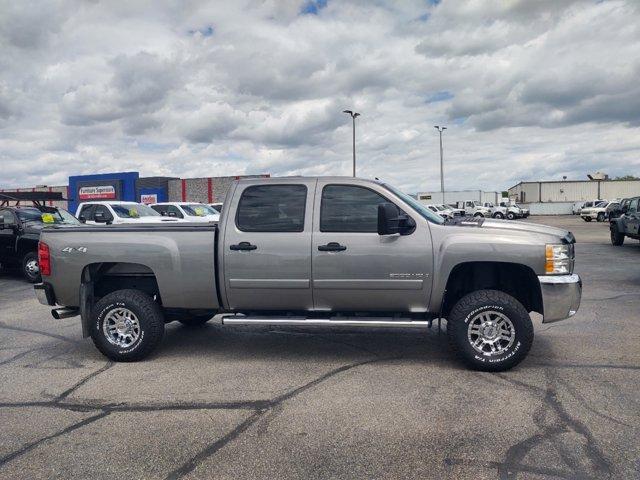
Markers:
<point>149,198</point>
<point>104,192</point>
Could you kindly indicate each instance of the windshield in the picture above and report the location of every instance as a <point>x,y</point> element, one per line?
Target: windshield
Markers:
<point>477,204</point>
<point>421,209</point>
<point>601,204</point>
<point>198,210</point>
<point>133,210</point>
<point>50,217</point>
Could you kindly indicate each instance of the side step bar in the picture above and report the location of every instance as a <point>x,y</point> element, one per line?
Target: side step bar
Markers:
<point>326,322</point>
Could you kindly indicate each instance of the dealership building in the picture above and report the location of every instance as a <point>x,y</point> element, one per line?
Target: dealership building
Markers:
<point>130,186</point>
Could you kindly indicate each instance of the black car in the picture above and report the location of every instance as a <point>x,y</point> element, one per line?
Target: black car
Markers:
<point>19,234</point>
<point>628,223</point>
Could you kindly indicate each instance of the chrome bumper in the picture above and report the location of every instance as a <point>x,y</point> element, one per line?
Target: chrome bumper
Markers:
<point>561,296</point>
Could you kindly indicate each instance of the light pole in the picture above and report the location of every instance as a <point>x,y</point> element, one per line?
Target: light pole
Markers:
<point>440,130</point>
<point>353,119</point>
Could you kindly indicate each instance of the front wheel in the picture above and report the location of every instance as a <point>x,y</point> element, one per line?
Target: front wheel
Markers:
<point>511,216</point>
<point>490,330</point>
<point>127,325</point>
<point>600,217</point>
<point>498,215</point>
<point>30,267</point>
<point>617,238</point>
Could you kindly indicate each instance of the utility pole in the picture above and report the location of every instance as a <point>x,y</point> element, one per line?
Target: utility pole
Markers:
<point>353,120</point>
<point>440,130</point>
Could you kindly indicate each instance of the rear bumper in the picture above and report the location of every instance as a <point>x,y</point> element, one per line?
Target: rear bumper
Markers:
<point>44,293</point>
<point>561,296</point>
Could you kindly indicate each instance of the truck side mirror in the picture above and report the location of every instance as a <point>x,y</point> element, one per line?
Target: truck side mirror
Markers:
<point>388,219</point>
<point>625,208</point>
<point>82,219</point>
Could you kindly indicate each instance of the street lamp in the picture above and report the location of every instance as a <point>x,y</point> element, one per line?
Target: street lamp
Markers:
<point>353,119</point>
<point>440,130</point>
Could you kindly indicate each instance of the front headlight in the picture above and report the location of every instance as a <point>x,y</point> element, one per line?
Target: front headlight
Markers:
<point>558,259</point>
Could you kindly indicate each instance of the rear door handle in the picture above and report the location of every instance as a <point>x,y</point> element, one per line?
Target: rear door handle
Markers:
<point>243,246</point>
<point>332,247</point>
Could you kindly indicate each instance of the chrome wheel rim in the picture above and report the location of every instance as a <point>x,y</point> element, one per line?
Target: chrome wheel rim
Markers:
<point>121,327</point>
<point>32,267</point>
<point>491,333</point>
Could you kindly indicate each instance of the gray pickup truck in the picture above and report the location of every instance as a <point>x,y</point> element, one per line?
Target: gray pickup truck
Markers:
<point>308,252</point>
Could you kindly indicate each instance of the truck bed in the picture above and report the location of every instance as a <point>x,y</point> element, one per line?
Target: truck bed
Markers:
<point>186,275</point>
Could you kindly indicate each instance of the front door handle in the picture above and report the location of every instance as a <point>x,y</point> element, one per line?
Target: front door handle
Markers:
<point>243,246</point>
<point>332,247</point>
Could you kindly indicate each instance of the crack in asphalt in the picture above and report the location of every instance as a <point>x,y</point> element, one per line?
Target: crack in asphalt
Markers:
<point>258,409</point>
<point>38,332</point>
<point>273,405</point>
<point>552,420</point>
<point>551,432</point>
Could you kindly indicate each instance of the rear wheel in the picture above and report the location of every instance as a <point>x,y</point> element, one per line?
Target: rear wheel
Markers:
<point>127,325</point>
<point>617,237</point>
<point>30,268</point>
<point>498,215</point>
<point>511,215</point>
<point>490,330</point>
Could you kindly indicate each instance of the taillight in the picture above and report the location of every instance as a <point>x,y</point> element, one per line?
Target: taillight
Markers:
<point>44,259</point>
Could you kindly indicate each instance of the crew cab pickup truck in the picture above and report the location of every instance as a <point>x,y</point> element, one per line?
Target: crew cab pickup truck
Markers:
<point>628,223</point>
<point>20,229</point>
<point>307,252</point>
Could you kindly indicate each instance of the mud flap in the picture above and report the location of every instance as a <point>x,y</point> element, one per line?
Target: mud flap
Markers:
<point>86,306</point>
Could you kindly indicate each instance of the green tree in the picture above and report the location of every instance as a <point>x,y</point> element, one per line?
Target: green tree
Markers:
<point>627,177</point>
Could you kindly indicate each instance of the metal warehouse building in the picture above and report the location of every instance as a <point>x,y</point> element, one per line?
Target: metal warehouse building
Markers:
<point>557,197</point>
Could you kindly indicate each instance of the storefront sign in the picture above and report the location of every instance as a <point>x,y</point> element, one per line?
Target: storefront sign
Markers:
<point>104,192</point>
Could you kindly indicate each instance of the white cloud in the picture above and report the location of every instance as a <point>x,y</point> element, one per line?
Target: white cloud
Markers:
<point>528,89</point>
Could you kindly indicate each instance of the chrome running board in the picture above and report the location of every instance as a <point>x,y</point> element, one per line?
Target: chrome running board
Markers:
<point>364,322</point>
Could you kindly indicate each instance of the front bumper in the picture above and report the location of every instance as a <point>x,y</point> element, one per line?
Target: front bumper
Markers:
<point>561,296</point>
<point>44,294</point>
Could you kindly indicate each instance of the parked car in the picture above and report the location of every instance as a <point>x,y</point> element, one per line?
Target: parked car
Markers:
<point>457,212</point>
<point>474,209</point>
<point>617,211</point>
<point>627,224</point>
<point>20,229</point>
<point>190,211</point>
<point>496,211</point>
<point>513,210</point>
<point>217,206</point>
<point>117,212</point>
<point>600,212</point>
<point>446,208</point>
<point>348,252</point>
<point>440,210</point>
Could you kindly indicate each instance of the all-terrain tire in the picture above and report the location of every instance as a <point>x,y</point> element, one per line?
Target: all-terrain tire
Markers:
<point>492,303</point>
<point>195,321</point>
<point>148,315</point>
<point>30,269</point>
<point>617,238</point>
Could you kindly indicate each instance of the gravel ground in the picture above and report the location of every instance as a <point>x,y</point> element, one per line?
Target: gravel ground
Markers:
<point>240,403</point>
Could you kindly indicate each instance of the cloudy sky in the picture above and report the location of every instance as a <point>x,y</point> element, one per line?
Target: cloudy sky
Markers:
<point>527,89</point>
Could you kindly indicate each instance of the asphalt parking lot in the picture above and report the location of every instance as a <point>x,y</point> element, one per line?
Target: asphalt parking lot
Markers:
<point>233,403</point>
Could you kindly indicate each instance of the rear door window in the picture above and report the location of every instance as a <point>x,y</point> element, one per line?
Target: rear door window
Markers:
<point>87,212</point>
<point>272,208</point>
